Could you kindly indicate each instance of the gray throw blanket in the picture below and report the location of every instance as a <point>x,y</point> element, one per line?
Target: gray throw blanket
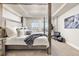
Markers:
<point>30,39</point>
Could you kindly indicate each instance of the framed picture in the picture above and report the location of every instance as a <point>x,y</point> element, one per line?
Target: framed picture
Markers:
<point>72,22</point>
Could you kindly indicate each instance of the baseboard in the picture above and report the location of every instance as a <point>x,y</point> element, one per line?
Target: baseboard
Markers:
<point>72,45</point>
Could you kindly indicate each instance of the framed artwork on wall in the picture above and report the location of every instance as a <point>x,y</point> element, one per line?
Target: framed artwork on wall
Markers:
<point>72,22</point>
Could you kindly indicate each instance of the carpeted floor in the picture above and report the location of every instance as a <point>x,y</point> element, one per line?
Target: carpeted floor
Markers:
<point>63,49</point>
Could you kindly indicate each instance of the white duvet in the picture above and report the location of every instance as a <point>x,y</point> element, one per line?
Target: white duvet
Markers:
<point>43,40</point>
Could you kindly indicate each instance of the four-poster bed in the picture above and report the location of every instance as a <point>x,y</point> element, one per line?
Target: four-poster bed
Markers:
<point>41,42</point>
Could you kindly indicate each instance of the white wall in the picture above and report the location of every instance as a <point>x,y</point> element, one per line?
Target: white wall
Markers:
<point>9,15</point>
<point>71,35</point>
<point>55,23</point>
<point>12,21</point>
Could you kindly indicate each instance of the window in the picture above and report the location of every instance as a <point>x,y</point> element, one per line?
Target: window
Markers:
<point>37,25</point>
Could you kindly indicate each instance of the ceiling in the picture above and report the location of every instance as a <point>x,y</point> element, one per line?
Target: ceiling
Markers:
<point>64,8</point>
<point>37,10</point>
<point>56,6</point>
<point>32,10</point>
<point>26,10</point>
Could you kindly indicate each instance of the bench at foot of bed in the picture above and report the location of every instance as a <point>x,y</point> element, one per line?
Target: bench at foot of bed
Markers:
<point>24,47</point>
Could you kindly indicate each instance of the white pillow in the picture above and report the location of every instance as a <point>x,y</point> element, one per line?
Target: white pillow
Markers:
<point>11,32</point>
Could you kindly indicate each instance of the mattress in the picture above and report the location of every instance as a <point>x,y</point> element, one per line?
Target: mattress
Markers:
<point>43,40</point>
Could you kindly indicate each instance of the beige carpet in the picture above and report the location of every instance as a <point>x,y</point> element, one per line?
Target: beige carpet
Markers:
<point>63,49</point>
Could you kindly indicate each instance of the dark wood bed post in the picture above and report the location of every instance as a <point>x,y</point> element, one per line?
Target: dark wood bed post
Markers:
<point>49,28</point>
<point>22,21</point>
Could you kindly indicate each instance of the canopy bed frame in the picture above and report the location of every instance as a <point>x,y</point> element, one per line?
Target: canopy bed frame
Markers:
<point>7,46</point>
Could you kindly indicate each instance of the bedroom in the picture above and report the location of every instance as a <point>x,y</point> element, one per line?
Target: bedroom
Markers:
<point>28,19</point>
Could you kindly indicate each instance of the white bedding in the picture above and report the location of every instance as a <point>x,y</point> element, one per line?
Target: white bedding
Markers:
<point>43,40</point>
